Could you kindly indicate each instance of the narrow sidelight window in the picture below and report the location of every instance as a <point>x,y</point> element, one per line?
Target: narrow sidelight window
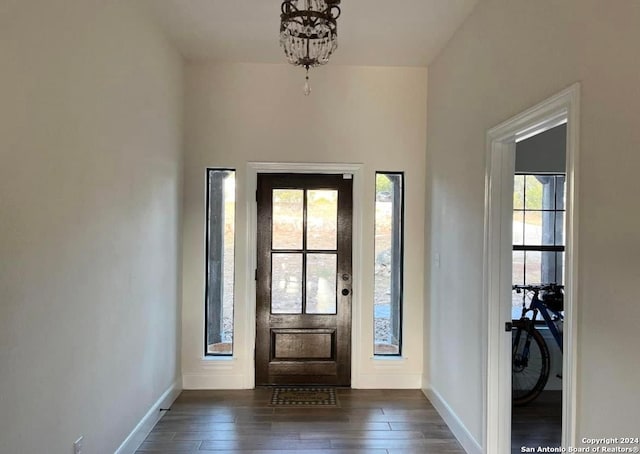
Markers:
<point>221,207</point>
<point>389,219</point>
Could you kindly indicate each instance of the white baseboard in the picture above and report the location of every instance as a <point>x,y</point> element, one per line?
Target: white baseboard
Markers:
<point>212,381</point>
<point>387,381</point>
<point>363,381</point>
<point>459,430</point>
<point>142,429</point>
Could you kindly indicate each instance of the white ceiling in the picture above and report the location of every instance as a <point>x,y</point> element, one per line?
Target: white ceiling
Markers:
<point>370,32</point>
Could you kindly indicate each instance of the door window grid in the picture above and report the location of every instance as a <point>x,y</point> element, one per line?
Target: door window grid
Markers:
<point>304,278</point>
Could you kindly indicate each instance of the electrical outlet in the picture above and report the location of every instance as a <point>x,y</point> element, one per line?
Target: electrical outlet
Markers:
<point>77,446</point>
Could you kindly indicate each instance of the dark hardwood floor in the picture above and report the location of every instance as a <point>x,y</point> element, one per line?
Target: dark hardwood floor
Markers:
<point>367,421</point>
<point>538,424</point>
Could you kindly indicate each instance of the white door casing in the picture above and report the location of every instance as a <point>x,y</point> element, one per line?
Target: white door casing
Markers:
<point>501,140</point>
<point>253,169</point>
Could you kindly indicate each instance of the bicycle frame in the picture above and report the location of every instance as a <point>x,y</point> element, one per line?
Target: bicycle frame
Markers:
<point>538,306</point>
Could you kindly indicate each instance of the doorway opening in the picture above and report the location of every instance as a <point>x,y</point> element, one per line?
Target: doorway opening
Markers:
<point>538,263</point>
<point>499,272</point>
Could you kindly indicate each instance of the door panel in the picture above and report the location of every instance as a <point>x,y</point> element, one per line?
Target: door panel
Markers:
<point>303,301</point>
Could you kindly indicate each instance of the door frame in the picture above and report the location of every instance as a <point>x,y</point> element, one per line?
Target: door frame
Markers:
<point>500,168</point>
<point>252,171</point>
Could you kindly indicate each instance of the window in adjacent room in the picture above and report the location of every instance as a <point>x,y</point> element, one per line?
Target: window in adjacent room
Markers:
<point>538,231</point>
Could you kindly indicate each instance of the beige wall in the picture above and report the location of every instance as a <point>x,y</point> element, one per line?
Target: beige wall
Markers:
<point>90,183</point>
<point>237,113</point>
<point>508,56</point>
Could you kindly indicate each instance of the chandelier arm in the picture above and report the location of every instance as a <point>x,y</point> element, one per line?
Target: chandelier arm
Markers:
<point>299,21</point>
<point>311,37</point>
<point>285,17</point>
<point>288,7</point>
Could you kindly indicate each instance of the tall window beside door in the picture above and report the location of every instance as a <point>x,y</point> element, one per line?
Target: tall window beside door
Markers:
<point>388,248</point>
<point>220,249</point>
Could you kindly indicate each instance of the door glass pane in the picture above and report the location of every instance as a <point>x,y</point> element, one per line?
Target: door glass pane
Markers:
<point>321,283</point>
<point>286,283</point>
<point>287,218</point>
<point>322,219</point>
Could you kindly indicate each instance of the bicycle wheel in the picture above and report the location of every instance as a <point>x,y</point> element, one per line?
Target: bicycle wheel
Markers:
<point>530,363</point>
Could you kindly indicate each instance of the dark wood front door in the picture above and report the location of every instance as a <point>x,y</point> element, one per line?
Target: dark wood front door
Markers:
<point>303,313</point>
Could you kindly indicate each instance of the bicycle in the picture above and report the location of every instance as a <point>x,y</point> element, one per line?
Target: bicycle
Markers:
<point>531,360</point>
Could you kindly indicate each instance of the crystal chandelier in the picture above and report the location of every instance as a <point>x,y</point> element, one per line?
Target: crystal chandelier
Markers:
<point>309,32</point>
